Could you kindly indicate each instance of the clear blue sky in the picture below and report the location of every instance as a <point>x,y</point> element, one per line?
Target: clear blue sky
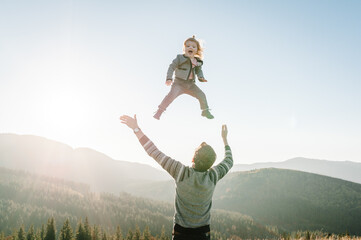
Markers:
<point>284,76</point>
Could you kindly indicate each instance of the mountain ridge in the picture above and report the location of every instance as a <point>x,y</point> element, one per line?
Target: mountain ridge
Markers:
<point>346,170</point>
<point>287,199</point>
<point>291,200</point>
<point>40,155</point>
<point>28,199</point>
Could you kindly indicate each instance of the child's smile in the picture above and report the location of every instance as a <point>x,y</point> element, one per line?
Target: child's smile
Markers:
<point>190,49</point>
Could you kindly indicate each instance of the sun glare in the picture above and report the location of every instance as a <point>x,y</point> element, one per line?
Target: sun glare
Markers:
<point>65,109</point>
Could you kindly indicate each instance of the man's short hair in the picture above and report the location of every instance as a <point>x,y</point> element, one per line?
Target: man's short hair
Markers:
<point>204,157</point>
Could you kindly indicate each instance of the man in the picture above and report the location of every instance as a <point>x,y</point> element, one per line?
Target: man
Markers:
<point>194,185</point>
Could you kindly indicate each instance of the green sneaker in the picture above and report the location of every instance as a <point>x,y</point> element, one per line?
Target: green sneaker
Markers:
<point>207,114</point>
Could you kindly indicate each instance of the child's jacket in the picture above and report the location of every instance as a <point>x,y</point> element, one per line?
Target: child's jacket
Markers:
<point>194,189</point>
<point>182,68</point>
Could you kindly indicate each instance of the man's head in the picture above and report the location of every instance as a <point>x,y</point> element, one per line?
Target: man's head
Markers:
<point>204,157</point>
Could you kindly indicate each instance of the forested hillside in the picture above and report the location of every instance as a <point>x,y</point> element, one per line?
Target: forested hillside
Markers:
<point>29,199</point>
<point>291,200</point>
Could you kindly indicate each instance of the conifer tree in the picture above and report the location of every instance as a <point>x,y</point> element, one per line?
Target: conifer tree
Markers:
<point>129,235</point>
<point>95,233</point>
<point>50,230</point>
<point>308,237</point>
<point>37,234</point>
<point>42,232</point>
<point>66,232</point>
<point>31,233</point>
<point>118,234</point>
<point>104,236</point>
<point>162,235</point>
<point>146,234</point>
<point>14,236</point>
<point>137,233</point>
<point>87,230</point>
<point>80,232</point>
<point>21,233</point>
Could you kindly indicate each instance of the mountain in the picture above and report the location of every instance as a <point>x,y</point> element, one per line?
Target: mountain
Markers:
<point>293,200</point>
<point>345,170</point>
<point>30,199</point>
<point>288,199</point>
<point>44,156</point>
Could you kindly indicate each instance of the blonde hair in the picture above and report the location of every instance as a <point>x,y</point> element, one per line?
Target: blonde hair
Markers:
<point>199,52</point>
<point>204,157</point>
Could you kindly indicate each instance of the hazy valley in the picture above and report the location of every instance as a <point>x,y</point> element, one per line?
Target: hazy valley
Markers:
<point>266,201</point>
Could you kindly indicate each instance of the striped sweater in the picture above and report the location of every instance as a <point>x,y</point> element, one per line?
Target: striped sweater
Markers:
<point>194,189</point>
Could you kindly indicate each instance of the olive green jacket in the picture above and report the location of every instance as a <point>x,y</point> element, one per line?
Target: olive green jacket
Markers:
<point>182,68</point>
<point>194,189</point>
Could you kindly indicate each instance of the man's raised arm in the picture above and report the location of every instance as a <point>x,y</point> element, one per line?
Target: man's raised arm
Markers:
<point>223,167</point>
<point>173,167</point>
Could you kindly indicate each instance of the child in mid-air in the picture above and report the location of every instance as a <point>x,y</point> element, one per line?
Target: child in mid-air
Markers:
<point>186,66</point>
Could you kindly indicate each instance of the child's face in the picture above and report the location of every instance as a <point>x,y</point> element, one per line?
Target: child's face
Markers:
<point>190,49</point>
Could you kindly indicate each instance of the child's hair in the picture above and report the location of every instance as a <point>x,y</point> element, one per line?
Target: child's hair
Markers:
<point>204,157</point>
<point>199,52</point>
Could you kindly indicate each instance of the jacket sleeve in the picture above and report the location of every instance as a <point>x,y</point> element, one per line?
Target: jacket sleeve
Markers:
<point>199,71</point>
<point>174,168</point>
<point>172,68</point>
<point>220,170</point>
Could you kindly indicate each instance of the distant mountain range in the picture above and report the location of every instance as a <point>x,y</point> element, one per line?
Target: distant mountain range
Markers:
<point>346,170</point>
<point>43,156</point>
<point>292,200</point>
<point>288,199</point>
<point>30,199</point>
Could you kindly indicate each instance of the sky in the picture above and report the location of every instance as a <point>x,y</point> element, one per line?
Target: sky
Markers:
<point>284,76</point>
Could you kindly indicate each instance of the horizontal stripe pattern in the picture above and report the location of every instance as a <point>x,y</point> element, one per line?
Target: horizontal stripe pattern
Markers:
<point>220,170</point>
<point>173,167</point>
<point>194,189</point>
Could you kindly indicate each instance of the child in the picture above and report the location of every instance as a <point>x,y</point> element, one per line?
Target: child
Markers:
<point>194,185</point>
<point>186,66</point>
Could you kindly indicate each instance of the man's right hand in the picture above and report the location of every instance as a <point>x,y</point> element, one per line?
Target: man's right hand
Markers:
<point>224,134</point>
<point>129,121</point>
<point>168,82</point>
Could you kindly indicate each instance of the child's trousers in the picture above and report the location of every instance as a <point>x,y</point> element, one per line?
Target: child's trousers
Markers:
<point>179,87</point>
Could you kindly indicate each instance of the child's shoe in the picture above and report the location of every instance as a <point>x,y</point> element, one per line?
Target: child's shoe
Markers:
<point>158,114</point>
<point>207,114</point>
